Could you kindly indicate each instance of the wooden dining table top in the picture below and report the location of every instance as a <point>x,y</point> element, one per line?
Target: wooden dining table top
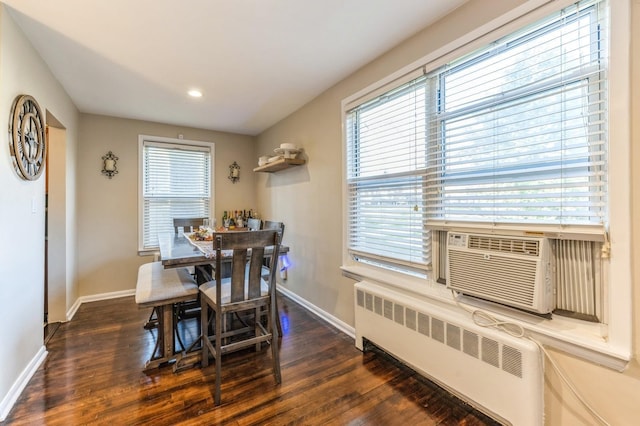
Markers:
<point>176,250</point>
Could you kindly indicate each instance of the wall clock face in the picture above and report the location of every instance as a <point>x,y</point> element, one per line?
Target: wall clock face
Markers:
<point>27,137</point>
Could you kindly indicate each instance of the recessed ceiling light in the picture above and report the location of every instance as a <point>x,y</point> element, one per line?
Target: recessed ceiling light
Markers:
<point>195,93</point>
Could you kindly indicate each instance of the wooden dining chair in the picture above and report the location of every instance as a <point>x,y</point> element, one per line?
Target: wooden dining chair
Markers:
<point>191,308</point>
<point>246,293</point>
<point>279,226</point>
<point>187,224</point>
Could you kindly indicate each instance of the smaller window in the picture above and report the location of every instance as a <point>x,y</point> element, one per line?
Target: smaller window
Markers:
<point>385,178</point>
<point>175,182</point>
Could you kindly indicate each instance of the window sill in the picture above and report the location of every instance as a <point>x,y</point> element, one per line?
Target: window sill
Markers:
<point>580,338</point>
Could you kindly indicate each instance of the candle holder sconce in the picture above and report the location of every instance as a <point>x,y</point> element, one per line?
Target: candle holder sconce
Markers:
<point>109,167</point>
<point>234,172</point>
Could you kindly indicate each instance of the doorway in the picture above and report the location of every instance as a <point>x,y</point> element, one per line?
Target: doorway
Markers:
<point>55,238</point>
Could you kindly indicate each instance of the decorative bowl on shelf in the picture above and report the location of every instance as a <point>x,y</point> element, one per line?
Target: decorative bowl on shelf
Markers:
<point>287,150</point>
<point>263,160</point>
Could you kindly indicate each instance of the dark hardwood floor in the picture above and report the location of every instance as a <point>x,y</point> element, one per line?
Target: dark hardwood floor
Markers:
<point>93,375</point>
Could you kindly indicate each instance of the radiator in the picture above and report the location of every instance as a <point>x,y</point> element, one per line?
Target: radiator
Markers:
<point>496,373</point>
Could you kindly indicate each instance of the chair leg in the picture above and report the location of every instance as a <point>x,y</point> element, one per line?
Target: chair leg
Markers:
<point>276,361</point>
<point>275,341</point>
<point>278,324</point>
<point>218,356</point>
<point>204,330</point>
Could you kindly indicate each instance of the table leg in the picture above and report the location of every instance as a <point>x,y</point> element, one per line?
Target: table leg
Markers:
<point>166,344</point>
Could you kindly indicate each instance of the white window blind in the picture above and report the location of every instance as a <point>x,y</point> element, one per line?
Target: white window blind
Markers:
<point>385,177</point>
<point>521,128</point>
<point>514,133</point>
<point>176,183</point>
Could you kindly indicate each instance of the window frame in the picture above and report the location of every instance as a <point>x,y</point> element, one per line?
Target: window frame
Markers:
<point>169,141</point>
<point>608,344</point>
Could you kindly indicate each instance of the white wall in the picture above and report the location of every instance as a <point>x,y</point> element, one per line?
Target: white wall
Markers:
<point>22,71</point>
<point>309,200</point>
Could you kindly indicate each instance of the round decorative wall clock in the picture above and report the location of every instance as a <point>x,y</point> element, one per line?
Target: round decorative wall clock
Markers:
<point>27,137</point>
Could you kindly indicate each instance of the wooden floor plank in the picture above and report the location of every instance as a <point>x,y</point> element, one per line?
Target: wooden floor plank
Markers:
<point>93,375</point>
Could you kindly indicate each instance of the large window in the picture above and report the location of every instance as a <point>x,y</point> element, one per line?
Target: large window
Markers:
<point>513,134</point>
<point>175,182</point>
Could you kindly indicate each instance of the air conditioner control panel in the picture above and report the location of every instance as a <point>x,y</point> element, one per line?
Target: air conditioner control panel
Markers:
<point>457,240</point>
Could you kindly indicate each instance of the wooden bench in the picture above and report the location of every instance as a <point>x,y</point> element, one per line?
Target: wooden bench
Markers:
<point>161,289</point>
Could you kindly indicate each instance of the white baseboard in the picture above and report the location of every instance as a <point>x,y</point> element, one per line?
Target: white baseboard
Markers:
<point>18,386</point>
<point>337,323</point>
<point>97,297</point>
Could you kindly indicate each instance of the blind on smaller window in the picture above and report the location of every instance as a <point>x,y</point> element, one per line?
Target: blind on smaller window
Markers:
<point>176,184</point>
<point>385,179</point>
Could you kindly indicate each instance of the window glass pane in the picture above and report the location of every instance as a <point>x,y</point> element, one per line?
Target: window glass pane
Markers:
<point>176,184</point>
<point>560,47</point>
<point>391,133</point>
<point>543,153</point>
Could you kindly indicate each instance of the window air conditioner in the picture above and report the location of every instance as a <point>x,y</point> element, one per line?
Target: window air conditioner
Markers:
<point>514,271</point>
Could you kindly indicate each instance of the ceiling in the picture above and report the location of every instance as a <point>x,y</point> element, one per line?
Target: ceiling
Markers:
<point>255,61</point>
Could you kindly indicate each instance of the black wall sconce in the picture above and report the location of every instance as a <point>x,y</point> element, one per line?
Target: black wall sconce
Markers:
<point>234,172</point>
<point>109,167</point>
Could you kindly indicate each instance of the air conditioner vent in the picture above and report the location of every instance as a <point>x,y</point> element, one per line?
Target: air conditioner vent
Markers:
<point>437,329</point>
<point>388,309</point>
<point>470,343</point>
<point>410,318</point>
<point>491,352</point>
<point>377,305</point>
<point>453,336</point>
<point>504,244</point>
<point>512,360</point>
<point>423,324</point>
<point>398,313</point>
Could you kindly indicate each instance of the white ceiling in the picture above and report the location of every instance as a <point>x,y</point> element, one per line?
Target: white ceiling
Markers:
<point>256,61</point>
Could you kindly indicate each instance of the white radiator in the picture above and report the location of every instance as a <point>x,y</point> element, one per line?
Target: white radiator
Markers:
<point>496,373</point>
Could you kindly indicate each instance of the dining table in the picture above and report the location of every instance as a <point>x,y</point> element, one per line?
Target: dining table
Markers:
<point>179,250</point>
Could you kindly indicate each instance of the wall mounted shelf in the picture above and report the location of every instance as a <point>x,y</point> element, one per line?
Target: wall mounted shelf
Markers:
<point>281,164</point>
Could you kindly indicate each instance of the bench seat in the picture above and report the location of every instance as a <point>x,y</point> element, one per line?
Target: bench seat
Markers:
<point>161,289</point>
<point>159,286</point>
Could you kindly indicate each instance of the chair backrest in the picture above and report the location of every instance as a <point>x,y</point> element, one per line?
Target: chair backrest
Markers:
<point>188,224</point>
<point>279,226</point>
<point>254,224</point>
<point>247,261</point>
